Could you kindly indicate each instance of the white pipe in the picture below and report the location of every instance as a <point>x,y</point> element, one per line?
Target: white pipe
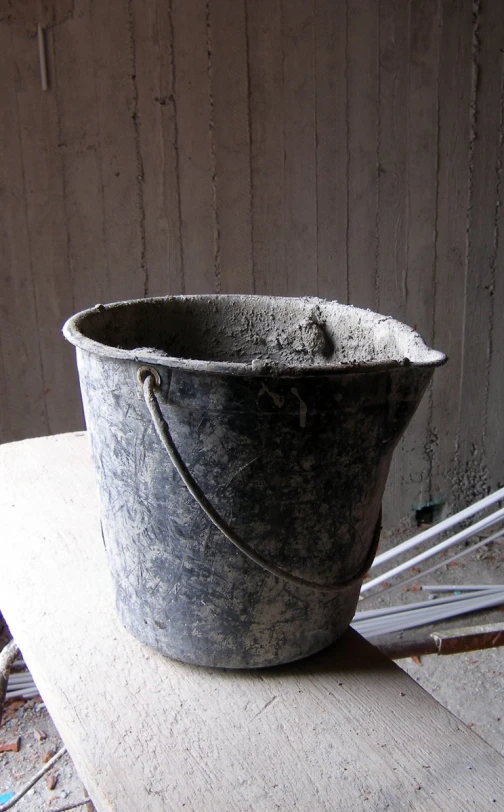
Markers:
<point>28,687</point>
<point>20,692</point>
<point>427,608</point>
<point>427,616</point>
<point>431,532</point>
<point>461,588</point>
<point>395,625</point>
<point>407,607</point>
<point>444,563</point>
<point>20,675</point>
<point>461,536</point>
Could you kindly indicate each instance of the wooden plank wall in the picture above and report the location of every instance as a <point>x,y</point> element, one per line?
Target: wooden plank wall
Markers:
<point>351,150</point>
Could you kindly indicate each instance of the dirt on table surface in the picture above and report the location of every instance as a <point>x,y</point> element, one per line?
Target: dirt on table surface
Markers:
<point>27,725</point>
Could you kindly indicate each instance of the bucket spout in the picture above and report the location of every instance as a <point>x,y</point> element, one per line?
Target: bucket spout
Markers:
<point>242,446</point>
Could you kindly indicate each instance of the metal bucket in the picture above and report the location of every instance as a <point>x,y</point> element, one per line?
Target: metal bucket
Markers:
<point>242,445</point>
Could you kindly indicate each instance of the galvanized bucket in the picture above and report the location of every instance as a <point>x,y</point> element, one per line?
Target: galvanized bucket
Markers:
<point>242,446</point>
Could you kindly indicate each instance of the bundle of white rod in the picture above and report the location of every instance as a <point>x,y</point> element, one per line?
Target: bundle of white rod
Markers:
<point>21,684</point>
<point>437,530</point>
<point>376,622</point>
<point>471,598</point>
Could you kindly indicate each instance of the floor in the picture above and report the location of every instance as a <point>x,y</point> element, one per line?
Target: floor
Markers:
<point>30,723</point>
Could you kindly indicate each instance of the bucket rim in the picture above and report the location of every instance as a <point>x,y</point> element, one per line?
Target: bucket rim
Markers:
<point>72,331</point>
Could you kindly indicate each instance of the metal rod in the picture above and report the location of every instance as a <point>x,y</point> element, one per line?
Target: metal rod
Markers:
<point>440,527</point>
<point>72,805</point>
<point>27,693</point>
<point>402,649</point>
<point>443,545</point>
<point>458,642</point>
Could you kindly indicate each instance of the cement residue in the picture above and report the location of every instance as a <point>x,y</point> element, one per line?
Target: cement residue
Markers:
<point>261,333</point>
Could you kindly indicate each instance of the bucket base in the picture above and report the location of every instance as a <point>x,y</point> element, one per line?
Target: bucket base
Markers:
<point>277,643</point>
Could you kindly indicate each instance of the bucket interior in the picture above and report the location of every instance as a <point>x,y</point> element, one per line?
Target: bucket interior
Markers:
<point>249,331</point>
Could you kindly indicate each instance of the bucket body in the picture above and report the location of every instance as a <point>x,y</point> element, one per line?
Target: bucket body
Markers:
<point>288,436</point>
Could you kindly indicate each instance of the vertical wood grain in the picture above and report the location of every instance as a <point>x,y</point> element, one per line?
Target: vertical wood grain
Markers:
<point>158,145</point>
<point>487,42</point>
<point>195,138</point>
<point>74,87</point>
<point>300,194</point>
<point>393,100</point>
<point>452,185</point>
<point>46,216</point>
<point>121,171</point>
<point>420,283</point>
<point>22,400</point>
<point>364,149</point>
<point>494,447</point>
<point>332,157</point>
<point>5,417</point>
<point>264,28</point>
<point>392,208</point>
<point>230,93</point>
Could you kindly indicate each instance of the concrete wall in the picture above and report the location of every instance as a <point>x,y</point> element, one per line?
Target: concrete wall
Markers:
<point>347,149</point>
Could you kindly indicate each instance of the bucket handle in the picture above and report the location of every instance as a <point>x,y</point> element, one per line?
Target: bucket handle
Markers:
<point>150,380</point>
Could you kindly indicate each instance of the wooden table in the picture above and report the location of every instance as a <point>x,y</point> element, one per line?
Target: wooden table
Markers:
<point>344,730</point>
